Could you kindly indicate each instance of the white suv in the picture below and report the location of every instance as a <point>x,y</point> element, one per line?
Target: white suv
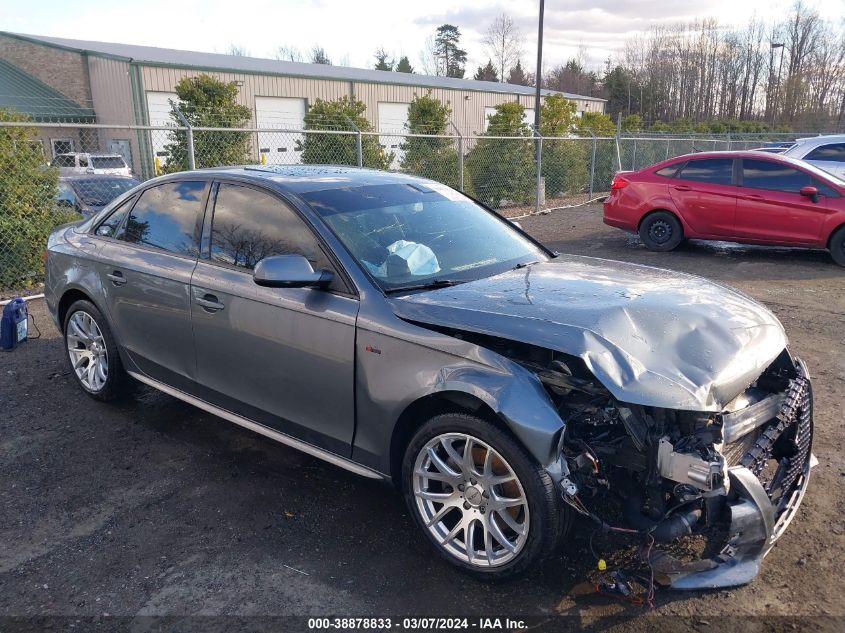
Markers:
<point>825,152</point>
<point>82,163</point>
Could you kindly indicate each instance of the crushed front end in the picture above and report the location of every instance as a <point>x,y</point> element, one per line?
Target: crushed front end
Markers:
<point>734,478</point>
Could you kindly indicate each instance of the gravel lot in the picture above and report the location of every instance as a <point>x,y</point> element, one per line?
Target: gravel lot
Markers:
<point>154,507</point>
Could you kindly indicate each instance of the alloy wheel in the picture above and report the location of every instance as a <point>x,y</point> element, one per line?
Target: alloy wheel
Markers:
<point>87,350</point>
<point>470,500</point>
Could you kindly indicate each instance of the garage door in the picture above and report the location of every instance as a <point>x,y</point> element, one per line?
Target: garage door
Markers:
<point>392,121</point>
<point>279,113</point>
<point>158,114</point>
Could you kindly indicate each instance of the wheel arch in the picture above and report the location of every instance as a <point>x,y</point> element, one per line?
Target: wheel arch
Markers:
<point>426,407</point>
<point>674,214</point>
<point>833,232</point>
<point>68,298</point>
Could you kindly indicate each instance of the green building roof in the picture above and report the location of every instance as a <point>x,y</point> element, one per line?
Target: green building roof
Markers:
<point>24,93</point>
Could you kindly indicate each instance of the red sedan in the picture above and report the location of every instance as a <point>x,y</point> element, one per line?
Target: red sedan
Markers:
<point>735,196</point>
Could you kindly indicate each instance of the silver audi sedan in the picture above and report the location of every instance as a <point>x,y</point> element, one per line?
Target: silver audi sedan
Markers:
<point>399,329</point>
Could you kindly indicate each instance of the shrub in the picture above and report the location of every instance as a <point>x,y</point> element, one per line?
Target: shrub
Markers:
<point>435,158</point>
<point>502,169</point>
<point>341,149</point>
<point>28,209</point>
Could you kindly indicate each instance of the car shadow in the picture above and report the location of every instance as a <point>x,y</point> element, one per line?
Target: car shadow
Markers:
<point>355,534</point>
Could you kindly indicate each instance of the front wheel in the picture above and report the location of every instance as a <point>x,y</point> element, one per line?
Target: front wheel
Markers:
<point>837,246</point>
<point>483,503</point>
<point>661,231</point>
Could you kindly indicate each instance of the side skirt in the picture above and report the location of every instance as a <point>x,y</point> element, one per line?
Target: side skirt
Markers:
<point>319,453</point>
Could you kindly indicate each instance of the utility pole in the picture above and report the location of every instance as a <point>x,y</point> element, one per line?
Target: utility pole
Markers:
<point>772,47</point>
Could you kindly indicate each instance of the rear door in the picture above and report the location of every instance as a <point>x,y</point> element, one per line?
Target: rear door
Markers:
<point>145,271</point>
<point>283,357</point>
<point>705,195</point>
<point>770,207</point>
<point>830,157</point>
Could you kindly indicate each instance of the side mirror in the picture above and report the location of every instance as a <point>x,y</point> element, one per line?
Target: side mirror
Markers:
<point>289,271</point>
<point>810,192</point>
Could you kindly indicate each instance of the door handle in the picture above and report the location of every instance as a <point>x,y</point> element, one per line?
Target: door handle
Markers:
<point>681,188</point>
<point>117,278</point>
<point>751,196</point>
<point>210,303</point>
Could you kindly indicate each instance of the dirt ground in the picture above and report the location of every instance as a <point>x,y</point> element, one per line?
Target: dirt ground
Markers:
<point>152,507</point>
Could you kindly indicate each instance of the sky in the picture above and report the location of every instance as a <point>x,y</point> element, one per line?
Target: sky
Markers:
<point>351,30</point>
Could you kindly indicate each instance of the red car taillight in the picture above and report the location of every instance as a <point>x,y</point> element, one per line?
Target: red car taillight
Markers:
<point>618,183</point>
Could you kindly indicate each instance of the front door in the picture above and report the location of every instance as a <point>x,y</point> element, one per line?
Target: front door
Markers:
<point>705,195</point>
<point>770,209</point>
<point>282,357</point>
<point>145,271</point>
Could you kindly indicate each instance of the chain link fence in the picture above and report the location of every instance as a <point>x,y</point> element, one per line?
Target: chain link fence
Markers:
<point>51,173</point>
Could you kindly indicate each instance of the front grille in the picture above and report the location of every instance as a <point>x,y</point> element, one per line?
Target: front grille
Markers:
<point>780,453</point>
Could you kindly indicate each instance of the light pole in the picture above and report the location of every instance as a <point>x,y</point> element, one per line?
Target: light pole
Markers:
<point>539,75</point>
<point>773,46</point>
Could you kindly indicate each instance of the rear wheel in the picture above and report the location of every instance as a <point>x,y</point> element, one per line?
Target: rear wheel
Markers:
<point>483,503</point>
<point>661,231</point>
<point>92,352</point>
<point>837,246</point>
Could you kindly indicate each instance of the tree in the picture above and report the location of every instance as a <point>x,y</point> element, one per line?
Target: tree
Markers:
<point>404,66</point>
<point>517,75</point>
<point>450,58</point>
<point>383,60</point>
<point>205,101</point>
<point>502,169</point>
<point>28,209</point>
<point>288,54</point>
<point>430,156</point>
<point>597,123</point>
<point>319,56</point>
<point>632,123</point>
<point>565,163</point>
<point>238,50</point>
<point>486,73</point>
<point>340,149</point>
<point>503,42</point>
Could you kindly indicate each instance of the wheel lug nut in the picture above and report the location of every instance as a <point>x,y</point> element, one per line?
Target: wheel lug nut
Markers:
<point>466,505</point>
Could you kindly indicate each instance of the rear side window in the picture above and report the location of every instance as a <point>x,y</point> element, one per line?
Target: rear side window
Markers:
<point>772,176</point>
<point>107,162</point>
<point>834,152</point>
<point>668,172</point>
<point>250,225</point>
<point>716,171</point>
<point>166,217</point>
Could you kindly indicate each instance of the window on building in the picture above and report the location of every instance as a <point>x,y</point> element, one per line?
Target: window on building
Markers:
<point>61,145</point>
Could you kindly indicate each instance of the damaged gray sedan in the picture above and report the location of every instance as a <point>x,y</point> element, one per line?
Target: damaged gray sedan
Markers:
<point>396,328</point>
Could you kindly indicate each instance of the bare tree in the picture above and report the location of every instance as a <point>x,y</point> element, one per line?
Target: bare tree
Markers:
<point>503,42</point>
<point>288,54</point>
<point>237,50</point>
<point>318,55</point>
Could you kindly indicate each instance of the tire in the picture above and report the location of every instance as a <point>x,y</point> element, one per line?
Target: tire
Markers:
<point>837,246</point>
<point>661,231</point>
<point>502,470</point>
<point>89,341</point>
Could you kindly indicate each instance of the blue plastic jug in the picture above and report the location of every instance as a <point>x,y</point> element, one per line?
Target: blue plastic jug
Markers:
<point>14,324</point>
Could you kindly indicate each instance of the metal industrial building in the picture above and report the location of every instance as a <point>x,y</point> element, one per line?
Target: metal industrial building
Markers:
<point>125,84</point>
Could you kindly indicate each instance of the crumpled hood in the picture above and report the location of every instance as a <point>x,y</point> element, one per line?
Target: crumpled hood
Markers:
<point>653,337</point>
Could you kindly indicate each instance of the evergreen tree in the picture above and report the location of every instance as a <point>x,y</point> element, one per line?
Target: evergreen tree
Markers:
<point>451,59</point>
<point>383,60</point>
<point>205,101</point>
<point>404,65</point>
<point>340,149</point>
<point>503,169</point>
<point>319,56</point>
<point>517,75</point>
<point>431,157</point>
<point>486,73</point>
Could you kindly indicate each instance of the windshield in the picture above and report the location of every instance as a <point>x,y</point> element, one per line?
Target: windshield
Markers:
<point>415,235</point>
<point>98,192</point>
<point>107,162</point>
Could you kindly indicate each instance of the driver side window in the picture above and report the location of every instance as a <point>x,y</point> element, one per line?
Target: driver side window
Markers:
<point>249,225</point>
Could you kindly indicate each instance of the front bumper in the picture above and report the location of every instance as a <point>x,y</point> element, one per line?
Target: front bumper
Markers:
<point>757,520</point>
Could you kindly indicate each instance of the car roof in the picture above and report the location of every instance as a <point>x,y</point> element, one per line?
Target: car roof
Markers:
<point>301,179</point>
<point>820,140</point>
<point>747,153</point>
<point>97,177</point>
